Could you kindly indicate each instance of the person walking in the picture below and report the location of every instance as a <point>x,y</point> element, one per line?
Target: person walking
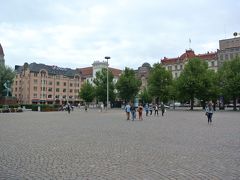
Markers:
<point>133,111</point>
<point>209,112</point>
<point>68,108</point>
<point>146,109</point>
<point>156,109</point>
<point>163,109</point>
<point>85,107</point>
<point>150,108</point>
<point>140,110</point>
<point>127,110</point>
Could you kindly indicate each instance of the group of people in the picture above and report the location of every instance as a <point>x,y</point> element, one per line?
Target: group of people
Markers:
<point>149,108</point>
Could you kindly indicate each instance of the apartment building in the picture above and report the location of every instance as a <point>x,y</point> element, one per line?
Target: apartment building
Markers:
<point>176,65</point>
<point>43,84</point>
<point>228,49</point>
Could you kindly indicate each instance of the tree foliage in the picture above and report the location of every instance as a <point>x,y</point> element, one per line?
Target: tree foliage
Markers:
<point>6,74</point>
<point>128,85</point>
<point>196,81</point>
<point>145,96</point>
<point>159,82</point>
<point>87,92</point>
<point>101,86</point>
<point>229,76</point>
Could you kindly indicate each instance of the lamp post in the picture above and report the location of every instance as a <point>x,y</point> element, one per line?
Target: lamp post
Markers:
<point>107,58</point>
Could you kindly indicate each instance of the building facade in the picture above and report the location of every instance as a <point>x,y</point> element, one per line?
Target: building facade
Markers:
<point>143,73</point>
<point>2,60</point>
<point>89,73</point>
<point>42,84</point>
<point>176,65</point>
<point>228,49</point>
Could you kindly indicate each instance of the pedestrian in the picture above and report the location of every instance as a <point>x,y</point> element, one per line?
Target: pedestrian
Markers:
<point>133,111</point>
<point>140,110</point>
<point>68,108</point>
<point>156,109</point>
<point>127,110</point>
<point>163,109</point>
<point>146,108</point>
<point>101,106</point>
<point>85,107</point>
<point>150,108</point>
<point>209,112</point>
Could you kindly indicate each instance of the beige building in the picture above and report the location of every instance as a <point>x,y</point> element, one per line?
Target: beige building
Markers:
<point>228,49</point>
<point>176,65</point>
<point>42,84</point>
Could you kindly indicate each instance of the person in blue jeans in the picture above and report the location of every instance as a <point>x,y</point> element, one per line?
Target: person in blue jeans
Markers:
<point>133,112</point>
<point>127,110</point>
<point>209,112</point>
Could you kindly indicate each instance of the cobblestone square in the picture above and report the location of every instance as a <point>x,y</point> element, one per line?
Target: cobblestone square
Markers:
<point>93,145</point>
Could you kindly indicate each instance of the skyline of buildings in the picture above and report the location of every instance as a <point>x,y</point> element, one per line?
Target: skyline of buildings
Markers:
<point>40,83</point>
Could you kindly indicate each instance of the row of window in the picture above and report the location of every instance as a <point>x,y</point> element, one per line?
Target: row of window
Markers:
<point>50,96</point>
<point>228,56</point>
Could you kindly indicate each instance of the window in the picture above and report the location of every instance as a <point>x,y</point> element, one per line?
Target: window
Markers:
<point>35,95</point>
<point>57,96</point>
<point>64,84</point>
<point>15,89</point>
<point>176,67</point>
<point>71,90</point>
<point>71,84</point>
<point>64,90</point>
<point>49,89</point>
<point>43,89</point>
<point>35,88</point>
<point>176,75</point>
<point>49,82</point>
<point>212,63</point>
<point>226,56</point>
<point>49,96</point>
<point>58,83</point>
<point>35,81</point>
<point>57,89</point>
<point>35,74</point>
<point>169,68</point>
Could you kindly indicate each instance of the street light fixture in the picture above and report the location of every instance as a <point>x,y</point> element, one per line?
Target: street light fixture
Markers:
<point>107,58</point>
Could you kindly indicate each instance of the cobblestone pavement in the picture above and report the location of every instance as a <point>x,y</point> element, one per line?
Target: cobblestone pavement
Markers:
<point>93,145</point>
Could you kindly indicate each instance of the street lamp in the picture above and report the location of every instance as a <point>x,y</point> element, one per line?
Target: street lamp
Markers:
<point>107,58</point>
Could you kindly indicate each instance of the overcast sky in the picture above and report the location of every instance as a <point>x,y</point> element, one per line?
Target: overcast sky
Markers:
<point>74,33</point>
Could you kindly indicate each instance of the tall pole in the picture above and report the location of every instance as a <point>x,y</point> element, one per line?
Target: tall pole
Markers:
<point>107,58</point>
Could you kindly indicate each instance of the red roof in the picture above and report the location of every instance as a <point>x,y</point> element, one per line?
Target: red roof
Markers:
<point>187,55</point>
<point>1,50</point>
<point>88,71</point>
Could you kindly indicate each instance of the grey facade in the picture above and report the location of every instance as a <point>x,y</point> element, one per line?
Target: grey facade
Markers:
<point>228,49</point>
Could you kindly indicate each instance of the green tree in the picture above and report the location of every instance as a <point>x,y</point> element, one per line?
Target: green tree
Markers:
<point>173,92</point>
<point>191,82</point>
<point>6,74</point>
<point>159,82</point>
<point>128,85</point>
<point>229,75</point>
<point>87,92</point>
<point>145,96</point>
<point>101,86</point>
